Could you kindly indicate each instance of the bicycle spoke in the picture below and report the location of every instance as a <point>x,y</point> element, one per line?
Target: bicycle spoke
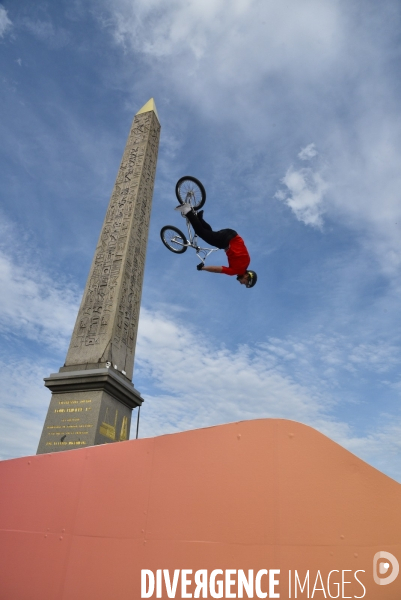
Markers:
<point>190,192</point>
<point>174,239</point>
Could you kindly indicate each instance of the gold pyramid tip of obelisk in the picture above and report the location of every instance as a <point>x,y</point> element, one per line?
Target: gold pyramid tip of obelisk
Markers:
<point>150,105</point>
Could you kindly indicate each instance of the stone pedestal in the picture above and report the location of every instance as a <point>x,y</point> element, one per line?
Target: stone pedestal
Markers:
<point>88,408</point>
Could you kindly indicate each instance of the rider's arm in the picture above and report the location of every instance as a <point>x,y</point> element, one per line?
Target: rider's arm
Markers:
<point>213,269</point>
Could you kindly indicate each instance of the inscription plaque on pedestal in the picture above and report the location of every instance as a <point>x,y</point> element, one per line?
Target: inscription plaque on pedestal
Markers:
<point>93,395</point>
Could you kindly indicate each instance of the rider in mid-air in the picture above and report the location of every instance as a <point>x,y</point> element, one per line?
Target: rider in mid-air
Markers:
<point>225,239</point>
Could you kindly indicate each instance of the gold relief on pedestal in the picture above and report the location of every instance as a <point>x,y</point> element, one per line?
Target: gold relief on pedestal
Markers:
<point>124,430</point>
<point>106,428</point>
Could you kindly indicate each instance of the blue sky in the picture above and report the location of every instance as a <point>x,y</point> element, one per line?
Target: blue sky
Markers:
<point>289,113</point>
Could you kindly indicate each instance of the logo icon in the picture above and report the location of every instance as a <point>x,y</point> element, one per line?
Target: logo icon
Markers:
<point>381,568</point>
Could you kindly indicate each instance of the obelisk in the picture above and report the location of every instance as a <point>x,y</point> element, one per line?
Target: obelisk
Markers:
<point>93,395</point>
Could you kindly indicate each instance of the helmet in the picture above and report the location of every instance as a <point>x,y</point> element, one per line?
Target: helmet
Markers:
<point>252,279</point>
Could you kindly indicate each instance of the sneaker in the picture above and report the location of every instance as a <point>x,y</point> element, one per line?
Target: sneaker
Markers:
<point>184,209</point>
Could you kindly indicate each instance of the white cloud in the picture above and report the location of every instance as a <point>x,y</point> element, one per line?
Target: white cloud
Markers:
<point>308,152</point>
<point>327,357</point>
<point>250,63</point>
<point>366,182</point>
<point>41,29</point>
<point>198,25</point>
<point>208,51</point>
<point>23,404</point>
<point>5,23</point>
<point>32,303</point>
<point>380,447</point>
<point>304,195</point>
<point>322,68</point>
<point>204,385</point>
<point>47,32</point>
<point>188,382</point>
<point>199,384</point>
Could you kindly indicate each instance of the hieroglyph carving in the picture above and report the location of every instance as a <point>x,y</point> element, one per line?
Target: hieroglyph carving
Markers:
<point>107,321</point>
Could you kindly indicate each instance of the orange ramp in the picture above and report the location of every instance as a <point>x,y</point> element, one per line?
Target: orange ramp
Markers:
<point>265,495</point>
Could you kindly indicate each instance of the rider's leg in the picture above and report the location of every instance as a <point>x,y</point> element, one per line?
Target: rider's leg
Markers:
<point>220,239</point>
<point>204,231</point>
<point>202,220</point>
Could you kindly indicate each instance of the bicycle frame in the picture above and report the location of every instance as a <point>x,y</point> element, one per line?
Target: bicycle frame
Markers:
<point>201,253</point>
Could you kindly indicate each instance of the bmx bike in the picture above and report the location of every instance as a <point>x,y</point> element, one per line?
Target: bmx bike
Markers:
<point>188,190</point>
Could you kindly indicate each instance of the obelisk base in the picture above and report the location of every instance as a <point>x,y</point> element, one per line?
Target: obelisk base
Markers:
<point>87,408</point>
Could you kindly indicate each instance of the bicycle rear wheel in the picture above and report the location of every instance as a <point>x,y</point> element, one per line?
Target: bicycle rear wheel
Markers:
<point>173,239</point>
<point>189,189</point>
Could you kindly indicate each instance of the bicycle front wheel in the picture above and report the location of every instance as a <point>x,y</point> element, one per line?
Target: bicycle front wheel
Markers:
<point>173,239</point>
<point>189,189</point>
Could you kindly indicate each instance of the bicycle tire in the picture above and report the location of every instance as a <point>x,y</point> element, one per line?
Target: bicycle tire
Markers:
<point>168,233</point>
<point>189,189</point>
